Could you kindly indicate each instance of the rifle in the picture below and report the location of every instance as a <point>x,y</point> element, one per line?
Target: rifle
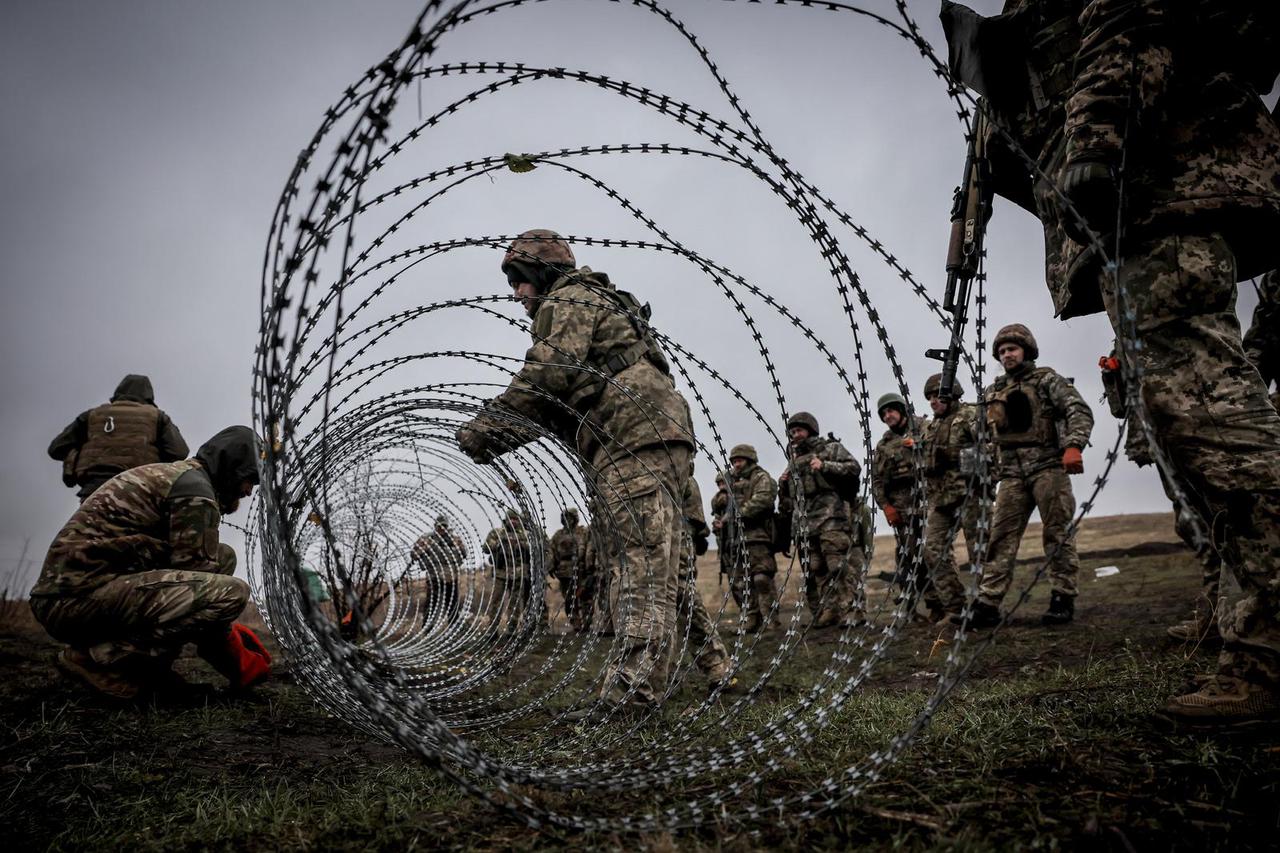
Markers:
<point>970,210</point>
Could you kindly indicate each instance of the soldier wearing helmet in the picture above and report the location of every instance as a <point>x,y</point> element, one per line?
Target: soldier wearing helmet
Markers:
<point>893,486</point>
<point>568,565</point>
<point>511,553</point>
<point>749,520</point>
<point>597,378</point>
<point>822,478</point>
<point>951,474</point>
<point>439,555</point>
<point>1039,425</point>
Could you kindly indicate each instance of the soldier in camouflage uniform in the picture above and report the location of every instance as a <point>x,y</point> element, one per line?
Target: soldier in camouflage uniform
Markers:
<point>823,477</point>
<point>719,510</point>
<point>749,517</point>
<point>893,486</point>
<point>511,552</point>
<point>1039,425</point>
<point>710,655</point>
<point>1171,91</point>
<point>440,555</point>
<point>950,465</point>
<point>596,377</point>
<point>137,572</point>
<point>122,434</point>
<point>568,565</point>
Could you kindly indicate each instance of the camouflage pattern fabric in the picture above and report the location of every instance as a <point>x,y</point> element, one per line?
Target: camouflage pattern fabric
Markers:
<point>893,484</point>
<point>568,551</point>
<point>642,492</point>
<point>1044,415</point>
<point>945,438</point>
<point>1214,420</point>
<point>440,555</point>
<point>710,655</point>
<point>834,577</point>
<point>511,553</point>
<point>1046,489</point>
<point>750,516</point>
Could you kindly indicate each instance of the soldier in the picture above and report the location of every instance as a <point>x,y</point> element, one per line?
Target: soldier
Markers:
<point>511,554</point>
<point>568,564</point>
<point>1040,425</point>
<point>750,516</point>
<point>122,434</point>
<point>440,555</point>
<point>950,466</point>
<point>600,584</point>
<point>1173,95</point>
<point>719,509</point>
<point>823,475</point>
<point>711,657</point>
<point>596,377</point>
<point>893,486</point>
<point>137,572</point>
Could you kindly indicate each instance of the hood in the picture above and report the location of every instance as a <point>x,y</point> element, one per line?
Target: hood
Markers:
<point>135,387</point>
<point>231,457</point>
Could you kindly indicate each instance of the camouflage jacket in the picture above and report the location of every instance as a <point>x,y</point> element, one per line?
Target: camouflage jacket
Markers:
<point>568,551</point>
<point>161,516</point>
<point>591,376</point>
<point>754,493</point>
<point>945,438</point>
<point>1262,341</point>
<point>824,506</point>
<point>509,549</point>
<point>441,553</point>
<point>893,468</point>
<point>1034,414</point>
<point>1203,155</point>
<point>691,508</point>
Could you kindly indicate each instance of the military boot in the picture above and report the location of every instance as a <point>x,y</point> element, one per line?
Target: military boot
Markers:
<point>1224,699</point>
<point>1200,628</point>
<point>754,622</point>
<point>981,617</point>
<point>113,682</point>
<point>1062,609</point>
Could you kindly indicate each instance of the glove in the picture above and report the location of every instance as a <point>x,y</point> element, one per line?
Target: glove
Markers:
<point>239,656</point>
<point>475,443</point>
<point>700,545</point>
<point>1089,183</point>
<point>892,515</point>
<point>1073,461</point>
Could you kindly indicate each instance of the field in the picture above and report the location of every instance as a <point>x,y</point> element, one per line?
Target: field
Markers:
<point>1053,742</point>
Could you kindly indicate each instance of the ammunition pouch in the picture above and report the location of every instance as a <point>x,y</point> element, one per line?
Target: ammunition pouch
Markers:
<point>69,468</point>
<point>1020,418</point>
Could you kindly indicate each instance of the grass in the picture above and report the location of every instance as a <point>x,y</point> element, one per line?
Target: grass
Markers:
<point>1052,743</point>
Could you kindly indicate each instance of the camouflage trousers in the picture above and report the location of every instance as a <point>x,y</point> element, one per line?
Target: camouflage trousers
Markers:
<point>704,643</point>
<point>910,571</point>
<point>751,578</point>
<point>1048,490</point>
<point>1213,419</point>
<point>942,525</point>
<point>512,601</point>
<point>641,491</point>
<point>147,614</point>
<point>834,579</point>
<point>573,590</point>
<point>442,604</point>
<point>1208,602</point>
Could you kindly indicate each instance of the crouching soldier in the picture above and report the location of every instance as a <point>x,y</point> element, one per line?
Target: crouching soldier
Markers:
<point>138,572</point>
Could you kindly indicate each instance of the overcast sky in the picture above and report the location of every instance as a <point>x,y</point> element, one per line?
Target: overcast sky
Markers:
<point>146,144</point>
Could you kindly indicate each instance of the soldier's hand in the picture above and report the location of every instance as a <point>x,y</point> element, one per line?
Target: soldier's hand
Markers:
<point>815,464</point>
<point>1073,460</point>
<point>475,443</point>
<point>1089,183</point>
<point>892,515</point>
<point>786,475</point>
<point>715,525</point>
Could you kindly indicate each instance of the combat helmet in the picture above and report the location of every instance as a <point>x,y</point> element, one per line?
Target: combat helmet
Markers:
<point>803,419</point>
<point>1016,333</point>
<point>442,521</point>
<point>569,518</point>
<point>891,399</point>
<point>537,256</point>
<point>934,383</point>
<point>744,451</point>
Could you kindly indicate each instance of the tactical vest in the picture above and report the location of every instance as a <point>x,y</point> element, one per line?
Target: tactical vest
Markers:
<point>1020,416</point>
<point>567,551</point>
<point>621,355</point>
<point>121,435</point>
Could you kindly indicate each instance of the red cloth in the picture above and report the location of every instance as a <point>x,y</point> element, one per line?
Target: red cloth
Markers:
<point>251,659</point>
<point>892,515</point>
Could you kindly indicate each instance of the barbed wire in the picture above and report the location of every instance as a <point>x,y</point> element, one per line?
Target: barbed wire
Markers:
<point>454,659</point>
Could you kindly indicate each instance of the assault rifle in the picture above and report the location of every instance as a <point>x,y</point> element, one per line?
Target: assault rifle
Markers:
<point>970,210</point>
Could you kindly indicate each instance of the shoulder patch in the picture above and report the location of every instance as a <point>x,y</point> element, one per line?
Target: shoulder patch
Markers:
<point>193,483</point>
